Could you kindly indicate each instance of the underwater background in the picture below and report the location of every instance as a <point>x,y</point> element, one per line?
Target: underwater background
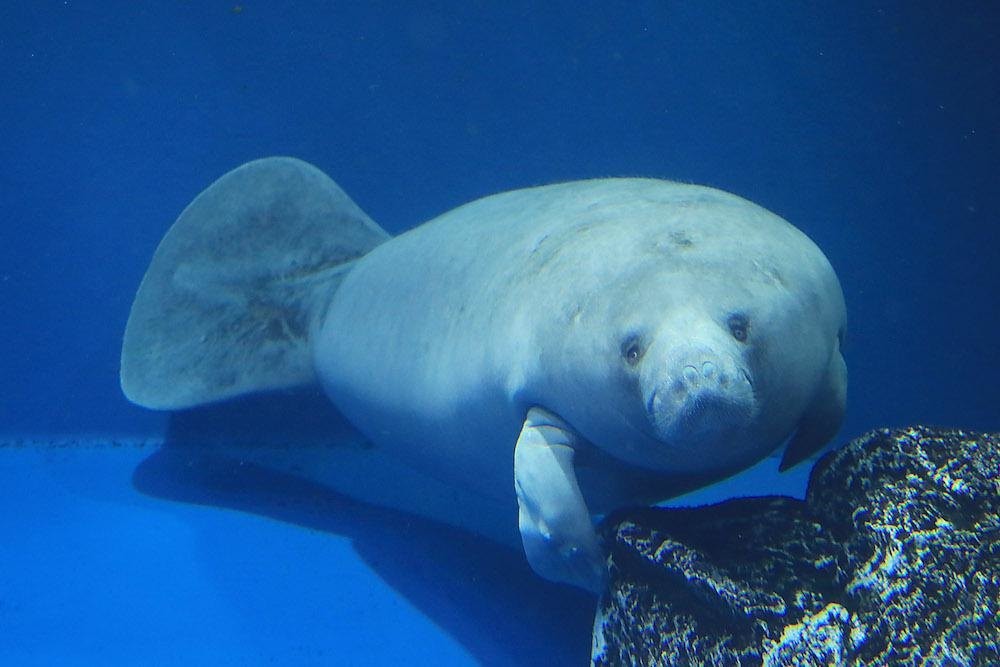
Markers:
<point>871,126</point>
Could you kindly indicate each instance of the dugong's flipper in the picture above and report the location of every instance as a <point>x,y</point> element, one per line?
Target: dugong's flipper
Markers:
<point>556,529</point>
<point>237,283</point>
<point>823,417</point>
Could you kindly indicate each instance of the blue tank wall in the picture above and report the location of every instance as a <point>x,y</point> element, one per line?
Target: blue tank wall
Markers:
<point>872,126</point>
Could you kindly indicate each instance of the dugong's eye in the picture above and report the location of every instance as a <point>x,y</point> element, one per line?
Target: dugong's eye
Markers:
<point>632,350</point>
<point>739,326</point>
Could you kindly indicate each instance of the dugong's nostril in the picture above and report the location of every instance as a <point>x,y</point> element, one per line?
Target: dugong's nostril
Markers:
<point>708,369</point>
<point>655,403</point>
<point>691,375</point>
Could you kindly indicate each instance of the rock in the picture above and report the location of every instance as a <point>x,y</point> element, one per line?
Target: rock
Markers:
<point>892,559</point>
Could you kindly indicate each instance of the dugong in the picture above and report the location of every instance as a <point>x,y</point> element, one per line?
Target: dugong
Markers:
<point>519,366</point>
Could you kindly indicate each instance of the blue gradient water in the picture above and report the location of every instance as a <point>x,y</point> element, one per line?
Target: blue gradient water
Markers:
<point>870,125</point>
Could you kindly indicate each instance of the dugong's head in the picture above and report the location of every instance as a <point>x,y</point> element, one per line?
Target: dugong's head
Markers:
<point>695,378</point>
<point>702,332</point>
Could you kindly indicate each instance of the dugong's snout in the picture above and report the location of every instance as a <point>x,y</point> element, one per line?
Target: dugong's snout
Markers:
<point>700,396</point>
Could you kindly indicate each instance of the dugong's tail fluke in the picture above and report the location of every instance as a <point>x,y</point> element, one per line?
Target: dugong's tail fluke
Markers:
<point>237,284</point>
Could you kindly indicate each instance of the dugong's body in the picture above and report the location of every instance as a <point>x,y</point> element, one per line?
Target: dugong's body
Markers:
<point>549,354</point>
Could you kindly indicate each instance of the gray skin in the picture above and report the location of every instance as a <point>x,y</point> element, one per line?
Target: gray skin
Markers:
<point>572,348</point>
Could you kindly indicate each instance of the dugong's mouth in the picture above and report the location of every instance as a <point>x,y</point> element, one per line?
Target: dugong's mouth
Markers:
<point>703,416</point>
<point>685,412</point>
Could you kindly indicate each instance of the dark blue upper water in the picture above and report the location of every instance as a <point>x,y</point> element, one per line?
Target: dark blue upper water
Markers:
<point>872,126</point>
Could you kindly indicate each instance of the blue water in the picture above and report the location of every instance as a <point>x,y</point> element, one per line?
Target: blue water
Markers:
<point>872,126</point>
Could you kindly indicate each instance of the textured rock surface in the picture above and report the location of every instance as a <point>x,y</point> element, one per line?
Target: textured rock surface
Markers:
<point>892,559</point>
